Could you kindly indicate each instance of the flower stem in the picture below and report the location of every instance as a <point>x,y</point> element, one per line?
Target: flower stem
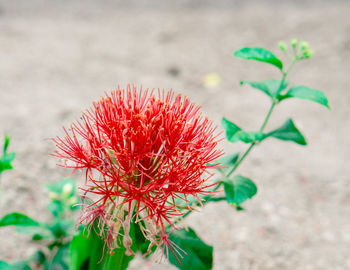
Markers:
<point>241,159</point>
<point>268,116</point>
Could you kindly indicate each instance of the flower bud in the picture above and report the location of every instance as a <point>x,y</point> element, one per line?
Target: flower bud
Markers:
<point>304,46</point>
<point>67,190</point>
<point>308,53</point>
<point>283,46</point>
<point>294,42</point>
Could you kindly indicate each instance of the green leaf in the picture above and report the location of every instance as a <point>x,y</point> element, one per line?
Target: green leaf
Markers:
<point>230,128</point>
<point>288,132</point>
<point>38,232</point>
<point>20,265</point>
<point>304,92</point>
<point>4,265</point>
<point>227,160</point>
<point>248,136</point>
<point>18,219</point>
<point>7,158</point>
<point>272,88</point>
<point>199,254</point>
<point>87,253</point>
<point>80,249</point>
<point>259,54</point>
<point>239,189</point>
<point>5,166</point>
<point>235,133</point>
<point>6,143</point>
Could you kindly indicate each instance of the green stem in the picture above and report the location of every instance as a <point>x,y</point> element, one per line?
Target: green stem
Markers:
<point>268,116</point>
<point>241,159</point>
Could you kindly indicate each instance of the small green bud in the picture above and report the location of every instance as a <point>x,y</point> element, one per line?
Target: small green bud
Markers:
<point>308,53</point>
<point>283,46</point>
<point>304,46</point>
<point>67,190</point>
<point>294,42</point>
<point>54,196</point>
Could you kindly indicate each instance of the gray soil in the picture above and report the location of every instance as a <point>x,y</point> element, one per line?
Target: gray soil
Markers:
<point>59,56</point>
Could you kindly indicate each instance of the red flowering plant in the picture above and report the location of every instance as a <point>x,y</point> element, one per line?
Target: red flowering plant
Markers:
<point>147,157</point>
<point>144,156</point>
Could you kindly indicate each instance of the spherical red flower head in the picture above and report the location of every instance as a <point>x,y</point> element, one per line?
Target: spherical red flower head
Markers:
<point>143,155</point>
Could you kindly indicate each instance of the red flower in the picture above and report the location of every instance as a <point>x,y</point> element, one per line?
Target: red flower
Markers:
<point>141,154</point>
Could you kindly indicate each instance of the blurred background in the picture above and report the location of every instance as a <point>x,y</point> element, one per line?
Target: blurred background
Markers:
<point>56,57</point>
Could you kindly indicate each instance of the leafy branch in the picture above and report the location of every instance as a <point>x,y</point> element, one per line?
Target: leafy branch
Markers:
<point>238,188</point>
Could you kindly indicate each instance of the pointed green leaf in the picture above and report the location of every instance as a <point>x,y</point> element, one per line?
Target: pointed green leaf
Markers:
<point>304,92</point>
<point>288,132</point>
<point>7,158</point>
<point>18,219</point>
<point>235,133</point>
<point>248,136</point>
<point>230,128</point>
<point>272,88</point>
<point>6,143</point>
<point>199,254</point>
<point>259,54</point>
<point>5,166</point>
<point>239,189</point>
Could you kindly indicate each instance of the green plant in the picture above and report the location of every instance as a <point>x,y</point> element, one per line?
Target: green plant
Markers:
<point>55,235</point>
<point>6,158</point>
<point>86,249</point>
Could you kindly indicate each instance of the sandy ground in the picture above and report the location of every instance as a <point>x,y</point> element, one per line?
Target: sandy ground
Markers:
<point>56,57</point>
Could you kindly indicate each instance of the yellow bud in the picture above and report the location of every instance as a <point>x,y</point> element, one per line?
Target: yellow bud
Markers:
<point>283,46</point>
<point>308,53</point>
<point>294,42</point>
<point>67,190</point>
<point>304,46</point>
